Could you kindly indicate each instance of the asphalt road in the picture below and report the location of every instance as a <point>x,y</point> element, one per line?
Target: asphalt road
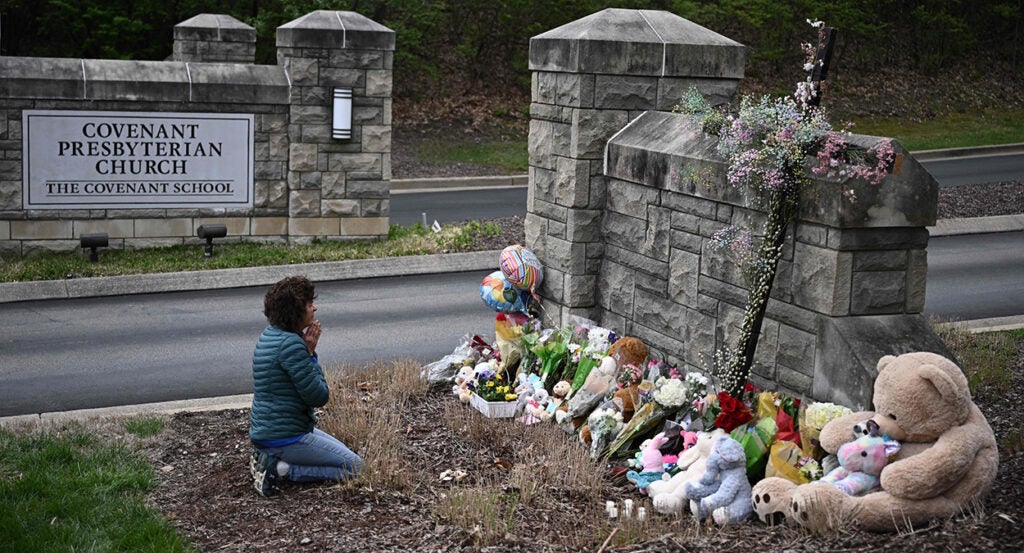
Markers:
<point>449,206</point>
<point>975,276</point>
<point>59,355</point>
<point>964,171</point>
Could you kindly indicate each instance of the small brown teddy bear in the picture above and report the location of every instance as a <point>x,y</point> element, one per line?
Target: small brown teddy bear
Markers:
<point>628,351</point>
<point>947,460</point>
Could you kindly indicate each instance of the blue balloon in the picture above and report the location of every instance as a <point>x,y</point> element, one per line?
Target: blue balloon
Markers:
<point>499,294</point>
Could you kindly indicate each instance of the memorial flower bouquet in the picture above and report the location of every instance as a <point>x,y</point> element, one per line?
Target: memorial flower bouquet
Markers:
<point>669,395</point>
<point>604,425</point>
<point>590,353</point>
<point>552,351</point>
<point>812,419</point>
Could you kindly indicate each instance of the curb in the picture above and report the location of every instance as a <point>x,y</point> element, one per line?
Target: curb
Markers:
<point>977,225</point>
<point>217,279</point>
<point>995,324</point>
<point>246,277</point>
<point>406,186</point>
<point>242,401</point>
<point>949,153</point>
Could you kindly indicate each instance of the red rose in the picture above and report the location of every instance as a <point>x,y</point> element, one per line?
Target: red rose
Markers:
<point>734,412</point>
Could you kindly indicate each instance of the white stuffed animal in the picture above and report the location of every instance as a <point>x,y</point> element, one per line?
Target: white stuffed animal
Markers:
<point>669,496</point>
<point>461,387</point>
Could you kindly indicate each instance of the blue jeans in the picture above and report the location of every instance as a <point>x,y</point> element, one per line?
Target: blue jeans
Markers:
<point>317,456</point>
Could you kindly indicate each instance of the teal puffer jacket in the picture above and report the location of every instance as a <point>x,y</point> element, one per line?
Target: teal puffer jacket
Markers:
<point>287,385</point>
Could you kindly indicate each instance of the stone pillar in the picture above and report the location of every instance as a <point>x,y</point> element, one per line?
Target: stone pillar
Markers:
<point>591,78</point>
<point>214,38</point>
<point>338,188</point>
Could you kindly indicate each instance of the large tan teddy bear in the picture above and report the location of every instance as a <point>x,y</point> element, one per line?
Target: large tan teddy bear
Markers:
<point>948,456</point>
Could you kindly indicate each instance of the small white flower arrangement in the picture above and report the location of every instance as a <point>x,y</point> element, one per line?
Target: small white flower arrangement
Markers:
<point>818,414</point>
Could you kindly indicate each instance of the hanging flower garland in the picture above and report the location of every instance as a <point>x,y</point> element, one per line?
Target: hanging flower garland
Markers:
<point>766,145</point>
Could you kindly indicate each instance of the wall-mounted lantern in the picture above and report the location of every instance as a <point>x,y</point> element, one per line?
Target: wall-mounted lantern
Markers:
<point>341,125</point>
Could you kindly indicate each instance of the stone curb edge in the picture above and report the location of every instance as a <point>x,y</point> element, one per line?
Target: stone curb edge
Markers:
<point>999,149</point>
<point>249,276</point>
<point>241,401</point>
<point>977,225</point>
<point>436,183</point>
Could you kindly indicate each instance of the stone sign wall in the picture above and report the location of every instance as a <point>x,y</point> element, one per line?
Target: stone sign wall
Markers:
<point>297,183</point>
<point>624,200</point>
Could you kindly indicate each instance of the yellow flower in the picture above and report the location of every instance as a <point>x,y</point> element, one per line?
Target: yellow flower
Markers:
<point>510,397</point>
<point>490,383</point>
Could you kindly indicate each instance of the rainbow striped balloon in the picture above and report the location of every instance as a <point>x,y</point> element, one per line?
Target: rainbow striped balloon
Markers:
<point>521,268</point>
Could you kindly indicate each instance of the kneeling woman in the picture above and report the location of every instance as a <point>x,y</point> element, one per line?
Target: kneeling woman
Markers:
<point>288,384</point>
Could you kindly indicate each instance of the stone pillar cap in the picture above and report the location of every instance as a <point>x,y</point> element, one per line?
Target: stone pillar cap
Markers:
<point>637,42</point>
<point>335,29</point>
<point>657,143</point>
<point>214,27</point>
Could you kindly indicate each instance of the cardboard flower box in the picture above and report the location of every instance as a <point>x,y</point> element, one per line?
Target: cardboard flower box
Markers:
<point>493,409</point>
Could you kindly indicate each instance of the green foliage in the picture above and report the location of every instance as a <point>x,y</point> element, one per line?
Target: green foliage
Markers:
<point>462,238</point>
<point>509,155</point>
<point>398,232</point>
<point>63,490</point>
<point>457,48</point>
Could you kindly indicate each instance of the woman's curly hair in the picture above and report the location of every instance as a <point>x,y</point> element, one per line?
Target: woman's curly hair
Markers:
<point>285,302</point>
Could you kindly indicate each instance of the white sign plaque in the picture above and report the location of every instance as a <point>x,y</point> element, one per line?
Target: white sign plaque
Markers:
<point>129,160</point>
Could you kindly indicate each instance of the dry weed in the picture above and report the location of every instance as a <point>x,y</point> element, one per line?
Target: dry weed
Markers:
<point>365,411</point>
<point>485,513</point>
<point>1013,442</point>
<point>478,431</point>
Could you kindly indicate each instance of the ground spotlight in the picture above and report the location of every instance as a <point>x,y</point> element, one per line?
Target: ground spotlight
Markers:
<point>93,241</point>
<point>209,232</point>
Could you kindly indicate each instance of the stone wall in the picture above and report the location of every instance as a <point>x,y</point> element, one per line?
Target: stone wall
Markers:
<point>851,283</point>
<point>306,185</point>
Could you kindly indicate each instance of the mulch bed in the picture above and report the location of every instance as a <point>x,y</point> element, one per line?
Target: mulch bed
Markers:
<point>205,490</point>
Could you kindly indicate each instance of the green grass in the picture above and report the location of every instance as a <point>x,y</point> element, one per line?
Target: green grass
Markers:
<point>957,130</point>
<point>985,358</point>
<point>143,426</point>
<point>410,240</point>
<point>62,490</point>
<point>508,155</point>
